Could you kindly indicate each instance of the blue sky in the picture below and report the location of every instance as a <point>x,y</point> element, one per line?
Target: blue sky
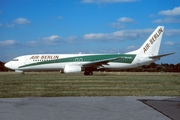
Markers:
<point>86,26</point>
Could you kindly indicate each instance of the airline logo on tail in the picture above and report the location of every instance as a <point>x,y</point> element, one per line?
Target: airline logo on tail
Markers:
<point>152,40</point>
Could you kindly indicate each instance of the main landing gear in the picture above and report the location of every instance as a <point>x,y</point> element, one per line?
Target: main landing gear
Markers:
<point>22,73</point>
<point>88,73</point>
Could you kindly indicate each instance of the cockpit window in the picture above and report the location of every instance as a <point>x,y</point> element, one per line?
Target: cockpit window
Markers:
<point>15,59</point>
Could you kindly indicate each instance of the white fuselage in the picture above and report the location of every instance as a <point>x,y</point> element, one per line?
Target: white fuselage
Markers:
<point>37,58</point>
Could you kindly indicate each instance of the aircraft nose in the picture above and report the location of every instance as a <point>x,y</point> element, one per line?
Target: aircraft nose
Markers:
<point>8,65</point>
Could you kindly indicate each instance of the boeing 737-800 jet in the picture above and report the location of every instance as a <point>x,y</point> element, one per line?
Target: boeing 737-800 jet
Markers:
<point>73,63</point>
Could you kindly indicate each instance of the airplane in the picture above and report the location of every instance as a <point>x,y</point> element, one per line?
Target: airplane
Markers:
<point>76,63</point>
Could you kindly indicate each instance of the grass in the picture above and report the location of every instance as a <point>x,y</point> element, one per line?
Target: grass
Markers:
<point>55,84</point>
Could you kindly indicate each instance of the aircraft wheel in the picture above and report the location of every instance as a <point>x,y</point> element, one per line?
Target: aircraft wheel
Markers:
<point>85,73</point>
<point>88,73</point>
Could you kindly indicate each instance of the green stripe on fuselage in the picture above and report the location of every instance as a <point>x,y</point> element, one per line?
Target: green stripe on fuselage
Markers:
<point>124,58</point>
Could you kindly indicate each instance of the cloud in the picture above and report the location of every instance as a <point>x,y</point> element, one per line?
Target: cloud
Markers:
<point>10,25</point>
<point>106,1</point>
<point>152,15</point>
<point>52,40</point>
<point>18,21</point>
<point>167,20</point>
<point>120,22</point>
<point>116,25</point>
<point>131,48</point>
<point>173,12</point>
<point>71,39</point>
<point>128,34</point>
<point>118,35</point>
<point>125,19</point>
<point>6,43</point>
<point>169,43</point>
<point>172,32</point>
<point>95,36</point>
<point>32,43</point>
<point>21,20</point>
<point>171,16</point>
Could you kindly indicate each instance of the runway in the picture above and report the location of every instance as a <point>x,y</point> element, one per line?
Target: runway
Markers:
<point>90,108</point>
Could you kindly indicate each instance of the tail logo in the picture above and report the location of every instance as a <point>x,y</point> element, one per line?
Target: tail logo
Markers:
<point>152,40</point>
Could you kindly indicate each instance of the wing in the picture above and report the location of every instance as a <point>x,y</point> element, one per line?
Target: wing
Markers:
<point>159,56</point>
<point>98,63</point>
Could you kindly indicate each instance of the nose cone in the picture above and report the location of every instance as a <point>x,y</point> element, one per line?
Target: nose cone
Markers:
<point>8,65</point>
<point>11,65</point>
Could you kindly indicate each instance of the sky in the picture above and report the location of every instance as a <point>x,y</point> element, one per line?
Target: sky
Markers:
<point>86,26</point>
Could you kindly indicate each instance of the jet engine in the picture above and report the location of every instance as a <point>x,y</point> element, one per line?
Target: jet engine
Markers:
<point>72,68</point>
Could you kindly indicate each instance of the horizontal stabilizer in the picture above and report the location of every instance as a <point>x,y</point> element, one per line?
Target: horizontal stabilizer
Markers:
<point>162,55</point>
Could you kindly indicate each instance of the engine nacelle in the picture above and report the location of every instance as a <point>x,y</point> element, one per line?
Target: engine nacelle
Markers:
<point>72,69</point>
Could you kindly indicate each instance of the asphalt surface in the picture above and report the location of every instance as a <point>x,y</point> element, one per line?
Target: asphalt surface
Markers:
<point>90,108</point>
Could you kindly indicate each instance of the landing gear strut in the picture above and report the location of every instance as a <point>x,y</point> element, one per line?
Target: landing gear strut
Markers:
<point>22,73</point>
<point>88,73</point>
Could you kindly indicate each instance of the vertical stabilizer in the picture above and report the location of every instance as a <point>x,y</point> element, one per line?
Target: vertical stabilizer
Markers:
<point>152,44</point>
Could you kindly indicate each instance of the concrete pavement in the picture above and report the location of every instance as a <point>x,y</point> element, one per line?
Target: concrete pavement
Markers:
<point>90,108</point>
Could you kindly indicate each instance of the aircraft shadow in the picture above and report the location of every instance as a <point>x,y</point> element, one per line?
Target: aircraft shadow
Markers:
<point>168,107</point>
